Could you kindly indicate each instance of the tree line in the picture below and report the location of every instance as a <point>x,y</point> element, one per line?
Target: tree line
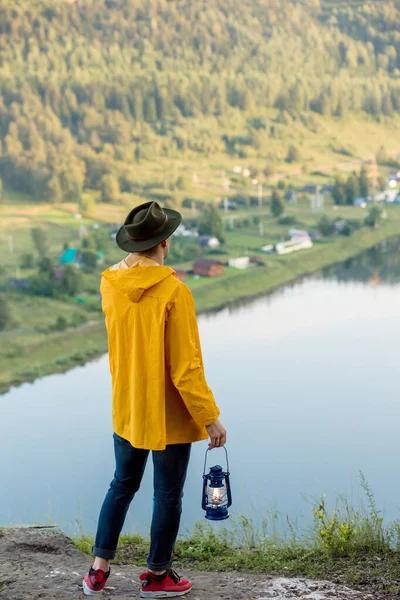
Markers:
<point>89,89</point>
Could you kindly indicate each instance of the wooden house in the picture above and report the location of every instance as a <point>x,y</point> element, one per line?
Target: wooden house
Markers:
<point>207,267</point>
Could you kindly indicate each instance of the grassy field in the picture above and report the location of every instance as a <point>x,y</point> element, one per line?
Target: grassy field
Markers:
<point>31,346</point>
<point>348,544</point>
<point>329,146</point>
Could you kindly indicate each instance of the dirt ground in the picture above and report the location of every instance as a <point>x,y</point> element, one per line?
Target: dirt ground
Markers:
<point>42,563</point>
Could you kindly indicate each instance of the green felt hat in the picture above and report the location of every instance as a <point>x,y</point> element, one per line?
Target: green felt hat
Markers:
<point>147,226</point>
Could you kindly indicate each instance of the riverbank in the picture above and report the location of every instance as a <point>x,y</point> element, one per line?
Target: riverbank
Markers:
<point>349,545</point>
<point>60,351</point>
<point>347,553</point>
<point>41,562</point>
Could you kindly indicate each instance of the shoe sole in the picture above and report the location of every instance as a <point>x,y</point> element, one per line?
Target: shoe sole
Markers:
<point>88,592</point>
<point>163,594</point>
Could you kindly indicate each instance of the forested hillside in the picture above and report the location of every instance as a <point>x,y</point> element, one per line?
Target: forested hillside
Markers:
<point>91,87</point>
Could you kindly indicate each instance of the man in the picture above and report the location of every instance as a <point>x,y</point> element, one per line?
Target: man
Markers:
<point>161,400</point>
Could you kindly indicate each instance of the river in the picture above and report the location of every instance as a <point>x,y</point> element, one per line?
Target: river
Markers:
<point>306,379</point>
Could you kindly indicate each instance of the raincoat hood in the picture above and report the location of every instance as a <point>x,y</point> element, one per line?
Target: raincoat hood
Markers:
<point>135,281</point>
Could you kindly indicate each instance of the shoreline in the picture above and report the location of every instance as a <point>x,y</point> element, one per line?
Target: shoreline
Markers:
<point>211,297</point>
<point>32,563</point>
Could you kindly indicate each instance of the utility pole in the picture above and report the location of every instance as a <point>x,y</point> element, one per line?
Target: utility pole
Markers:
<point>260,195</point>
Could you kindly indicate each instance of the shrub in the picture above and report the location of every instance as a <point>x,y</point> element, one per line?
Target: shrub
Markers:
<point>61,323</point>
<point>293,154</point>
<point>89,260</point>
<point>326,225</point>
<point>373,217</point>
<point>27,261</point>
<point>39,238</point>
<point>288,220</point>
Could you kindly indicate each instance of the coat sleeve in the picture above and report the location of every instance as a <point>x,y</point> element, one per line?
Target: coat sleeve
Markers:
<point>184,359</point>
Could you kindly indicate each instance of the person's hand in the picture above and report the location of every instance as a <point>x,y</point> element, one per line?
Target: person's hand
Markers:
<point>217,435</point>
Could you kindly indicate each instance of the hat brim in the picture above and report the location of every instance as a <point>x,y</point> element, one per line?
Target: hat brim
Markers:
<point>128,245</point>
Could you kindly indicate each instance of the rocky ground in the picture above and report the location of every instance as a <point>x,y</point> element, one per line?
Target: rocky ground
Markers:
<point>42,563</point>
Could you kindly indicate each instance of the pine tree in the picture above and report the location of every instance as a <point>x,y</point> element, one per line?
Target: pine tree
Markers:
<point>211,223</point>
<point>109,186</point>
<point>54,189</point>
<point>351,188</point>
<point>363,183</point>
<point>39,238</point>
<point>277,203</point>
<point>339,192</point>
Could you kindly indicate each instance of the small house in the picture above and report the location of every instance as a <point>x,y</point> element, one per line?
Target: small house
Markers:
<point>183,232</point>
<point>19,284</point>
<point>327,189</point>
<point>310,189</point>
<point>360,203</point>
<point>239,263</point>
<point>294,245</point>
<point>269,248</point>
<point>387,196</point>
<point>70,256</point>
<point>340,225</point>
<point>206,267</point>
<point>208,241</point>
<point>298,233</point>
<point>291,196</point>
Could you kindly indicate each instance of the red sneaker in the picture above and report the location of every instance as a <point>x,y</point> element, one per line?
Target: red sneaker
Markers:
<point>95,581</point>
<point>164,586</point>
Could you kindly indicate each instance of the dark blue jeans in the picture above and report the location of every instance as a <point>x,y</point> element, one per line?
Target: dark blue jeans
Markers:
<point>170,467</point>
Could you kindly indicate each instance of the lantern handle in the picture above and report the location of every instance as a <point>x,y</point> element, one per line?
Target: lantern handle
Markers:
<point>227,461</point>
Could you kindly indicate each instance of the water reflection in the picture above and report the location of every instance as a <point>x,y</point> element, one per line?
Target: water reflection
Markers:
<point>378,265</point>
<point>375,266</point>
<point>306,379</point>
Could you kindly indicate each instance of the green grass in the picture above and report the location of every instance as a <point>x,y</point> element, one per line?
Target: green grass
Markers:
<point>32,356</point>
<point>218,292</point>
<point>31,348</point>
<point>348,543</point>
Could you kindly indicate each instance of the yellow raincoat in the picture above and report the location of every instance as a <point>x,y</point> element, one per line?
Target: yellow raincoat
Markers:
<point>160,395</point>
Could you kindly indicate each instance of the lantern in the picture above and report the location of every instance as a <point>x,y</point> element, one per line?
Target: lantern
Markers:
<point>217,497</point>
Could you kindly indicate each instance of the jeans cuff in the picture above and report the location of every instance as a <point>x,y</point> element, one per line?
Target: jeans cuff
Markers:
<point>101,553</point>
<point>159,566</point>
